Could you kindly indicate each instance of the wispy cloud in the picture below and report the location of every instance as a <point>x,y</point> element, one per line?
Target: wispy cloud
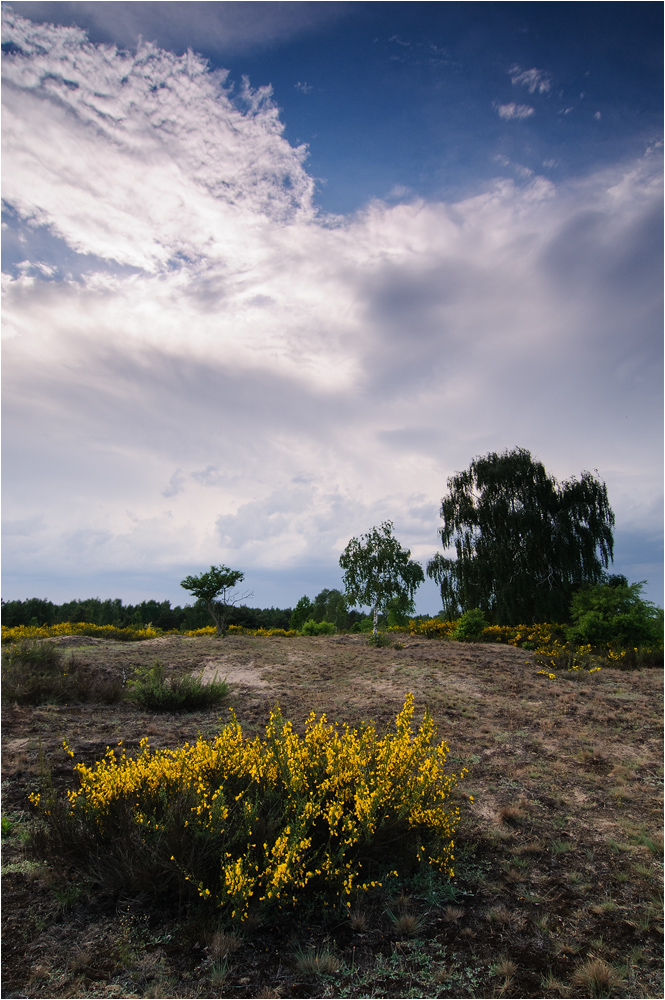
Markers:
<point>533,79</point>
<point>229,27</point>
<point>514,111</point>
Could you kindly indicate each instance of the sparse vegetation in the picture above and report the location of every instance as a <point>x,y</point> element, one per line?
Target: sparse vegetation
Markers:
<point>152,690</point>
<point>521,917</point>
<point>36,673</point>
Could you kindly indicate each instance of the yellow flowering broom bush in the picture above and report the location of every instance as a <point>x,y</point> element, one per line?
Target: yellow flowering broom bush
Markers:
<point>245,823</point>
<point>23,633</point>
<point>547,641</point>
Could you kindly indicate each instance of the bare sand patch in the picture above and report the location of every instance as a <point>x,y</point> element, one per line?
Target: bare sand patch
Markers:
<point>247,675</point>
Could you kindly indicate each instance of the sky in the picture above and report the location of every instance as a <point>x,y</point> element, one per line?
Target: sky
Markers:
<point>273,272</point>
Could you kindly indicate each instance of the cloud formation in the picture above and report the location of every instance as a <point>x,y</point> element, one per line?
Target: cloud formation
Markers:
<point>205,369</point>
<point>229,27</point>
<point>517,111</point>
<point>533,79</point>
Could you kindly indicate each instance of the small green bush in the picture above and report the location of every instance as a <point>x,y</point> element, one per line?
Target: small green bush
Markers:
<point>151,690</point>
<point>470,626</point>
<point>37,673</point>
<point>311,627</point>
<point>615,612</point>
<point>379,640</point>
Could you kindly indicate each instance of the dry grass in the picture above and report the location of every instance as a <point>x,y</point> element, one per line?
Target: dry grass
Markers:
<point>222,944</point>
<point>317,962</point>
<point>553,872</point>
<point>358,921</point>
<point>597,978</point>
<point>512,815</point>
<point>406,925</point>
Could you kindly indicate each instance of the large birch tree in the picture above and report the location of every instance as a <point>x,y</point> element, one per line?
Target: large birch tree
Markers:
<point>377,570</point>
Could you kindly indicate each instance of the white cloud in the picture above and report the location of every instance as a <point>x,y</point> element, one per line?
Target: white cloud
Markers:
<point>517,111</point>
<point>305,377</point>
<point>533,79</point>
<point>184,161</point>
<point>228,27</point>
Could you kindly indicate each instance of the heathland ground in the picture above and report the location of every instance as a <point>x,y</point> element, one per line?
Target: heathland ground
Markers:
<point>558,871</point>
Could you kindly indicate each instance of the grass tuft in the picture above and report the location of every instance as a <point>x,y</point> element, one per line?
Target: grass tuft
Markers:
<point>317,962</point>
<point>222,945</point>
<point>504,967</point>
<point>358,921</point>
<point>512,815</point>
<point>152,691</point>
<point>219,973</point>
<point>406,925</point>
<point>597,978</point>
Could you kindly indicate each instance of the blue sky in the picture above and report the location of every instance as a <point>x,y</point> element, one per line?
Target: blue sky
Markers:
<point>274,271</point>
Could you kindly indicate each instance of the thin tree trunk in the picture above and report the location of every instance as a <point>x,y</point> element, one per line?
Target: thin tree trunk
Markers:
<point>215,618</point>
<point>375,630</point>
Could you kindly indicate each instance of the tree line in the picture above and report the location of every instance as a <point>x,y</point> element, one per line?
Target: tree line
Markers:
<point>525,546</point>
<point>328,606</point>
<point>113,612</point>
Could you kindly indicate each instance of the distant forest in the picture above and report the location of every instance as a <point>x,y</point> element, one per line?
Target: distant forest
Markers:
<point>35,611</point>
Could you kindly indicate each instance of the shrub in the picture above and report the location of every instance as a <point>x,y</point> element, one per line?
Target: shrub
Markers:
<point>311,627</point>
<point>151,690</point>
<point>286,633</point>
<point>379,639</point>
<point>34,673</point>
<point>470,626</point>
<point>615,612</point>
<point>238,823</point>
<point>23,633</point>
<point>636,657</point>
<point>433,628</point>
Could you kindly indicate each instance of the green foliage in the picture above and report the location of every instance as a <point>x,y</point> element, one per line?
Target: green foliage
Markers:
<point>215,588</point>
<point>151,690</point>
<point>377,570</point>
<point>400,610</point>
<point>524,542</point>
<point>470,626</point>
<point>318,628</point>
<point>330,606</point>
<point>37,673</point>
<point>379,639</point>
<point>615,613</point>
<point>7,826</point>
<point>301,613</point>
<point>158,614</point>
